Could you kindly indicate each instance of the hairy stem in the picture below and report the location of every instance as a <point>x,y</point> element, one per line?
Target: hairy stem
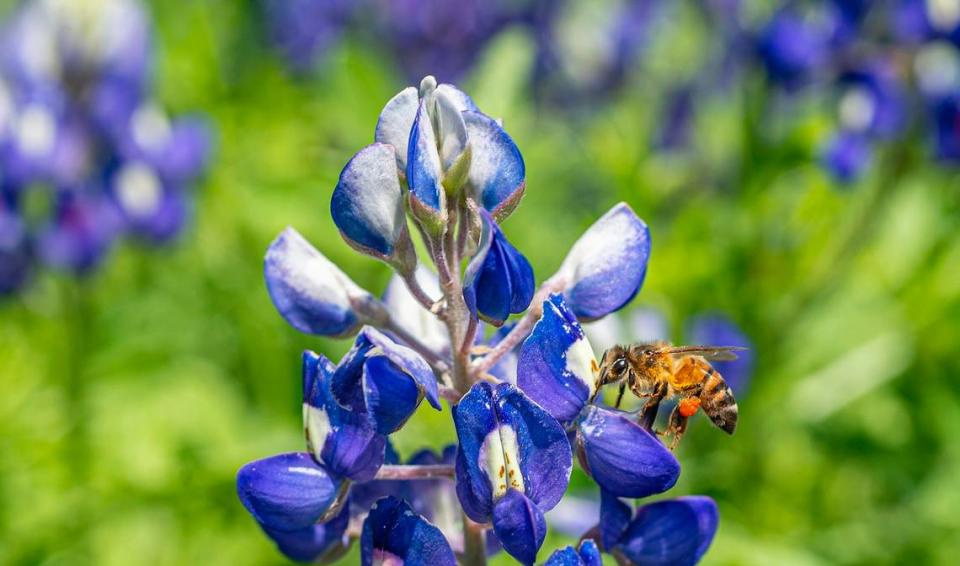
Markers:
<point>343,496</point>
<point>520,331</point>
<point>426,472</point>
<point>456,315</point>
<point>410,279</point>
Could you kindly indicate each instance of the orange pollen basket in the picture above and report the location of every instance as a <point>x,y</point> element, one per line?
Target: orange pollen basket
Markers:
<point>688,407</point>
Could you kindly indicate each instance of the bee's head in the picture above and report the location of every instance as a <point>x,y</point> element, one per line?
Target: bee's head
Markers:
<point>614,365</point>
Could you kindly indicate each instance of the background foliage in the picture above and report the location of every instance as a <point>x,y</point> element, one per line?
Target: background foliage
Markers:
<point>128,400</point>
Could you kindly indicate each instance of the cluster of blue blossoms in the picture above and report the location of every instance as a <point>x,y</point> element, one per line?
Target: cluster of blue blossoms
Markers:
<point>523,400</point>
<point>86,154</point>
<point>887,72</point>
<point>582,49</point>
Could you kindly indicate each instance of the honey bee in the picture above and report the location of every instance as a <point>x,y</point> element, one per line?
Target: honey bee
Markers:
<point>659,371</point>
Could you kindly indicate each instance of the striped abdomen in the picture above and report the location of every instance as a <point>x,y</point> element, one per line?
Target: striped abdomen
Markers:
<point>716,400</point>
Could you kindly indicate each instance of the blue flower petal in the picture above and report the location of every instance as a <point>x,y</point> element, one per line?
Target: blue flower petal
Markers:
<point>718,330</point>
<point>675,531</point>
<point>605,268</point>
<point>622,457</point>
<point>319,542</point>
<point>507,442</point>
<point>587,555</point>
<point>497,171</point>
<point>500,280</point>
<point>188,151</point>
<point>367,203</point>
<point>391,396</point>
<point>309,291</point>
<point>286,492</point>
<point>847,156</point>
<point>396,121</point>
<point>451,127</point>
<point>410,362</point>
<point>461,100</point>
<point>520,526</point>
<point>344,440</point>
<point>544,451</point>
<point>393,531</point>
<point>556,364</point>
<point>614,518</point>
<point>424,171</point>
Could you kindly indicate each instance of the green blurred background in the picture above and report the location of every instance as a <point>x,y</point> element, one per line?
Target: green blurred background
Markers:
<point>129,400</point>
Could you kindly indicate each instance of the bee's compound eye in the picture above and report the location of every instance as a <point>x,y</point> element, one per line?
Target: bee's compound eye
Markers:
<point>620,365</point>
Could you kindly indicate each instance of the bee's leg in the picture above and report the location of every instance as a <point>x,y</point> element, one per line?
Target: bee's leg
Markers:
<point>677,426</point>
<point>648,415</point>
<point>623,389</point>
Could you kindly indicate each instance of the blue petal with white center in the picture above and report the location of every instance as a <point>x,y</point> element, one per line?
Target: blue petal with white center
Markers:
<point>344,440</point>
<point>319,542</point>
<point>520,526</point>
<point>424,170</point>
<point>287,492</point>
<point>394,534</point>
<point>621,456</point>
<point>556,365</point>
<point>367,203</point>
<point>671,532</point>
<point>497,172</point>
<point>308,290</point>
<point>499,281</point>
<point>605,268</point>
<point>507,442</point>
<point>719,330</point>
<point>587,555</point>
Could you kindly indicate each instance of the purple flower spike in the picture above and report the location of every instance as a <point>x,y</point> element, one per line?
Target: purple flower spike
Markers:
<point>556,364</point>
<point>509,445</point>
<point>367,206</point>
<point>605,268</point>
<point>344,440</point>
<point>321,542</point>
<point>394,534</point>
<point>519,525</point>
<point>621,456</point>
<point>587,555</point>
<point>718,330</point>
<point>383,379</point>
<point>675,532</point>
<point>287,492</point>
<point>499,280</point>
<point>497,171</point>
<point>310,292</point>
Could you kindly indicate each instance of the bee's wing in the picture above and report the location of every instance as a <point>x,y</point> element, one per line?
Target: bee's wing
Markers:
<point>719,353</point>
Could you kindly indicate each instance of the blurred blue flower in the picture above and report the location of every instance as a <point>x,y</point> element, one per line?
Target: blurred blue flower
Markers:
<point>513,464</point>
<point>847,156</point>
<point>77,122</point>
<point>946,127</point>
<point>394,534</point>
<point>719,330</point>
<point>793,46</point>
<point>499,281</point>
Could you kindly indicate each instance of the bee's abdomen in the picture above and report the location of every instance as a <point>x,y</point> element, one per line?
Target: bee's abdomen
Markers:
<point>718,403</point>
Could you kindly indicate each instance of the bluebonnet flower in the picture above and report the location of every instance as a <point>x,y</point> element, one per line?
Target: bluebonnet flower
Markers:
<point>77,123</point>
<point>519,415</point>
<point>499,280</point>
<point>303,30</point>
<point>513,464</point>
<point>793,46</point>
<point>588,554</point>
<point>394,534</point>
<point>673,531</point>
